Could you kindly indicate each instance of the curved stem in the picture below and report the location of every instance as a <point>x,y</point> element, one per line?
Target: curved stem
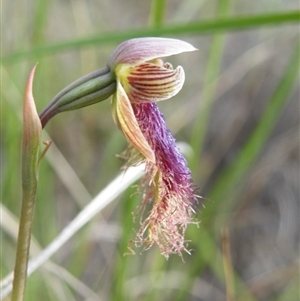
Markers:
<point>23,245</point>
<point>30,151</point>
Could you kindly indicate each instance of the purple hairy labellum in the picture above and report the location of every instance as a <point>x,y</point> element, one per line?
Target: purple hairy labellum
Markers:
<point>167,184</point>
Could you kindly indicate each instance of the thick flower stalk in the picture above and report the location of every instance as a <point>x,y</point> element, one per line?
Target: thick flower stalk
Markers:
<point>137,78</point>
<point>30,164</point>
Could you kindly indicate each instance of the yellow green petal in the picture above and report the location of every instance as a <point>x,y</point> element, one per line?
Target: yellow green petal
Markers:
<point>125,119</point>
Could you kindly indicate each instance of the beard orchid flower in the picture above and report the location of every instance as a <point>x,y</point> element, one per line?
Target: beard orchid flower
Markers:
<point>137,78</point>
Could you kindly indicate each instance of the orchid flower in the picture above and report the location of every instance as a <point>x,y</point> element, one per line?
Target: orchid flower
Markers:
<point>138,78</point>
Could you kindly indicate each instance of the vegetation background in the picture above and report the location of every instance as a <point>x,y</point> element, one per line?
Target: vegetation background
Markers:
<point>238,113</point>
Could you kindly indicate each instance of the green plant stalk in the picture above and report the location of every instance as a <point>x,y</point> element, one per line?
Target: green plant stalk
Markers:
<point>122,264</point>
<point>233,23</point>
<point>209,86</point>
<point>30,161</point>
<point>157,13</point>
<point>200,127</point>
<point>227,265</point>
<point>40,21</point>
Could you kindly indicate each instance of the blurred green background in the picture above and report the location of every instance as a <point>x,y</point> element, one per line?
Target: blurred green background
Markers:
<point>238,112</point>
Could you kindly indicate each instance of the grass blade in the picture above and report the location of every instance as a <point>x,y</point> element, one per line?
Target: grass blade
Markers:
<point>233,23</point>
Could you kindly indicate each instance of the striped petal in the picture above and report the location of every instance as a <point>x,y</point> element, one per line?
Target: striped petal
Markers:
<point>150,82</point>
<point>126,120</point>
<point>139,50</point>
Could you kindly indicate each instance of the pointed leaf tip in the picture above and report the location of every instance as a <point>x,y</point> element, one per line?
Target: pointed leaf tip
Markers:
<point>31,124</point>
<point>30,115</point>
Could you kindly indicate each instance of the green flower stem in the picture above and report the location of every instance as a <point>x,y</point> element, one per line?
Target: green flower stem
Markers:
<point>158,8</point>
<point>87,90</point>
<point>209,86</point>
<point>30,160</point>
